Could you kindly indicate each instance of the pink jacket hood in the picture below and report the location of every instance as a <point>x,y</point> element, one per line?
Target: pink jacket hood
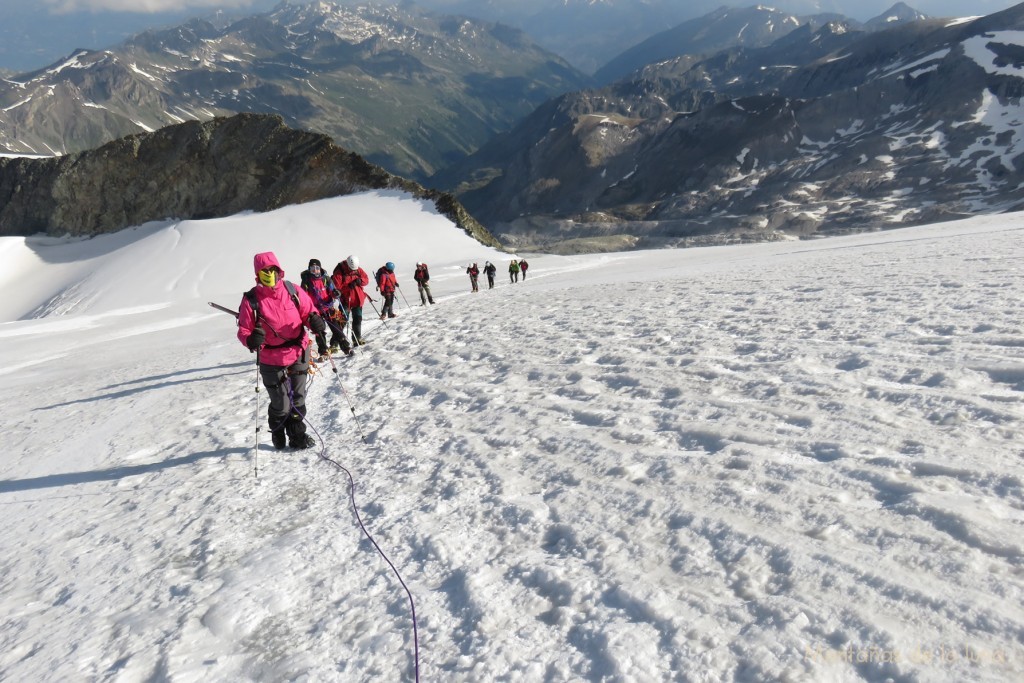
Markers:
<point>265,260</point>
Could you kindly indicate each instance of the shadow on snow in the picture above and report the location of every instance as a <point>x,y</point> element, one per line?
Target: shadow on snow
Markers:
<point>113,474</point>
<point>159,385</point>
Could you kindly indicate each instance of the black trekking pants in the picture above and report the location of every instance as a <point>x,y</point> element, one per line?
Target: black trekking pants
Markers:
<point>387,310</point>
<point>356,318</point>
<point>286,387</point>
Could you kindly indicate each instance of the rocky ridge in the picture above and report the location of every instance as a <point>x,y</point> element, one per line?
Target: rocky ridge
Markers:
<point>247,162</point>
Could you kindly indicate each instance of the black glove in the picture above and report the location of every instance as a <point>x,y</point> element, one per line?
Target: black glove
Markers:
<point>316,323</point>
<point>256,339</point>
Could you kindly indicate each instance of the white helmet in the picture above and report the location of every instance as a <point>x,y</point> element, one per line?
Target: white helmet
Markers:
<point>353,262</point>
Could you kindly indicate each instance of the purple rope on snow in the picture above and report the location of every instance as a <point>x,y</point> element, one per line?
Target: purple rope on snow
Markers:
<point>355,509</point>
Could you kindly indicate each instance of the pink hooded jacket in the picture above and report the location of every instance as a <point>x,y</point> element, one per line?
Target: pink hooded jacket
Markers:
<point>279,317</point>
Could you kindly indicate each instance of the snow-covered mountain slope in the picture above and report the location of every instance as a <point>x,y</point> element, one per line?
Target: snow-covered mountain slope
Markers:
<point>790,461</point>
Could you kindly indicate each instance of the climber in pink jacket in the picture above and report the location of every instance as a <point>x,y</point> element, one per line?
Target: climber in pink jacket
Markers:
<point>272,321</point>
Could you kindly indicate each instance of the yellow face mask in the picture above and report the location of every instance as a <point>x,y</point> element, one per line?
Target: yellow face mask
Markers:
<point>268,277</point>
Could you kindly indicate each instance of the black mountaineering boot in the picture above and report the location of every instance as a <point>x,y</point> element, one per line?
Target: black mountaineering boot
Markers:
<point>277,431</point>
<point>303,441</point>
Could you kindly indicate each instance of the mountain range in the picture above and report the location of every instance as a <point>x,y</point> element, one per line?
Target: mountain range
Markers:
<point>407,89</point>
<point>761,123</point>
<point>586,33</point>
<point>726,28</point>
<point>824,130</point>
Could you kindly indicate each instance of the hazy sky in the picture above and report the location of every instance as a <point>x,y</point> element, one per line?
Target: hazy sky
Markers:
<point>52,7</point>
<point>852,8</point>
<point>139,6</point>
<point>36,33</point>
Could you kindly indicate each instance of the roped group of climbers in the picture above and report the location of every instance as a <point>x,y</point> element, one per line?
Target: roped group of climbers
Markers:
<point>274,315</point>
<point>514,269</point>
<point>272,321</point>
<point>339,299</point>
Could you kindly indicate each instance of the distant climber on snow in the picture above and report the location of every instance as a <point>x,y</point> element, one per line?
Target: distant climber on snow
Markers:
<point>490,270</point>
<point>387,283</point>
<point>422,277</point>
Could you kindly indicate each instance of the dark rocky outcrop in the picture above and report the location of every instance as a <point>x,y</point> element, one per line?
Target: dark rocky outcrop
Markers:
<point>248,162</point>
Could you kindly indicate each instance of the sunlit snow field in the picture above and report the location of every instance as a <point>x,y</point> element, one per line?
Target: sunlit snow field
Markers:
<point>792,461</point>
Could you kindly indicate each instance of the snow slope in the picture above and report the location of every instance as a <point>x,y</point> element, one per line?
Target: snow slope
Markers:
<point>794,461</point>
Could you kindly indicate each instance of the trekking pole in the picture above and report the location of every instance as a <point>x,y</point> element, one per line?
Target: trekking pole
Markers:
<point>342,331</point>
<point>256,451</point>
<point>339,331</point>
<point>352,329</point>
<point>348,326</point>
<point>404,299</point>
<point>382,321</point>
<point>351,406</point>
